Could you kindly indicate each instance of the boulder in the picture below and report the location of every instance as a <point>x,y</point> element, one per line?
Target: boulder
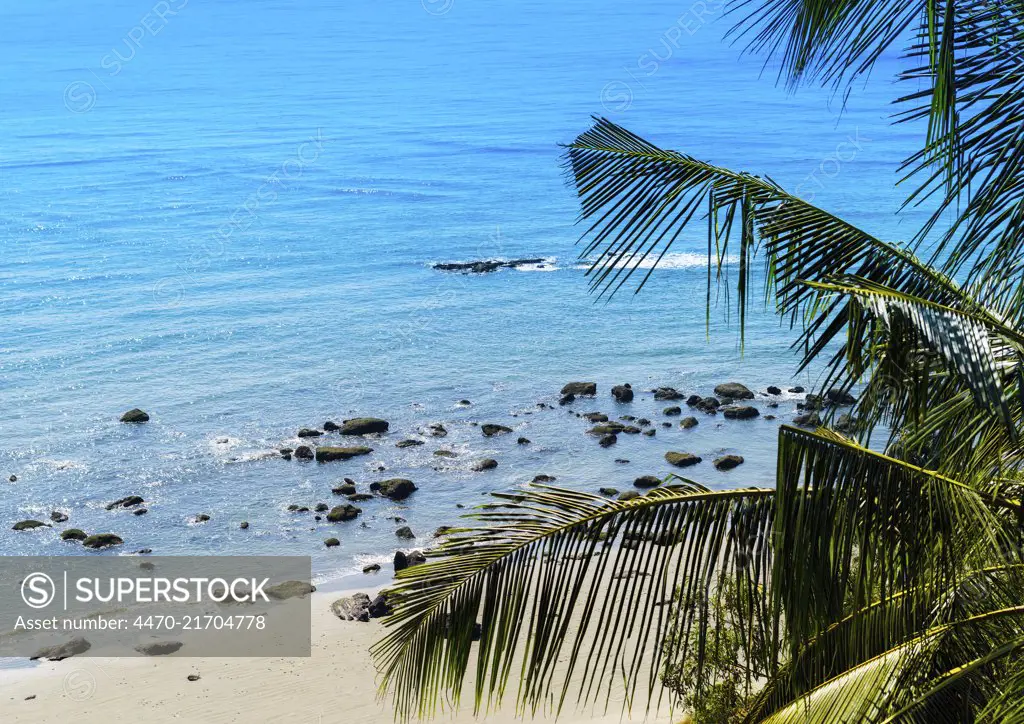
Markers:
<point>405,560</point>
<point>126,502</point>
<point>840,398</point>
<point>491,430</point>
<point>667,393</point>
<point>379,607</point>
<point>201,518</point>
<point>813,402</point>
<point>687,422</point>
<point>359,497</point>
<point>580,389</point>
<point>140,511</point>
<point>647,481</point>
<point>608,491</point>
<point>77,645</point>
<point>485,464</point>
<point>672,411</point>
<point>330,426</point>
<point>629,495</point>
<point>102,540</point>
<point>728,462</point>
<point>363,426</point>
<point>709,405</point>
<point>394,488</point>
<point>372,568</point>
<point>694,400</point>
<point>595,417</point>
<point>345,488</point>
<point>523,441</point>
<point>809,419</point>
<point>405,532</point>
<point>773,390</point>
<point>650,433</point>
<point>326,454</point>
<point>607,441</point>
<point>244,525</point>
<point>309,432</point>
<point>796,390</point>
<point>304,452</point>
<point>332,542</point>
<point>740,412</point>
<point>290,589</point>
<point>322,507</point>
<point>544,478</point>
<point>73,534</point>
<point>135,415</point>
<point>437,430</point>
<point>409,443</point>
<point>58,517</point>
<point>352,608</point>
<point>609,428</point>
<point>734,390</point>
<point>342,513</point>
<point>485,266</point>
<point>622,393</point>
<point>445,454</point>
<point>846,423</point>
<point>29,525</point>
<point>159,648</point>
<point>681,460</point>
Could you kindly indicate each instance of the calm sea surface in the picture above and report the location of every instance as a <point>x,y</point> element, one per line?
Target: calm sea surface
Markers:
<point>225,213</point>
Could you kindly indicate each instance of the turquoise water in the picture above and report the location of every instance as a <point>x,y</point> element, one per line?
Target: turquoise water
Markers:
<point>225,213</point>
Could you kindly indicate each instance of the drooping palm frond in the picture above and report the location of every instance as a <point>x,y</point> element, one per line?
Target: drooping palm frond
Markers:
<point>557,571</point>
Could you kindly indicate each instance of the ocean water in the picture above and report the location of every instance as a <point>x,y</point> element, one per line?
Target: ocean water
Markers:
<point>225,213</point>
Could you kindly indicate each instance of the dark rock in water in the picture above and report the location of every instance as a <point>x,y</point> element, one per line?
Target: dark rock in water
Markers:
<point>728,462</point>
<point>523,441</point>
<point>126,502</point>
<point>360,497</point>
<point>58,517</point>
<point>408,560</point>
<point>304,452</point>
<point>840,398</point>
<point>244,525</point>
<point>464,403</point>
<point>331,426</point>
<point>201,518</point>
<point>135,415</point>
<point>372,568</point>
<point>672,411</point>
<point>681,460</point>
<point>740,412</point>
<point>342,513</point>
<point>290,589</point>
<point>734,390</point>
<point>394,488</point>
<point>629,495</point>
<point>409,443</point>
<point>159,648</point>
<point>622,461</point>
<point>143,552</point>
<point>773,403</point>
<point>609,428</point>
<point>442,530</point>
<point>445,454</point>
<point>322,507</point>
<point>326,454</point>
<point>437,430</point>
<point>492,430</point>
<point>607,441</point>
<point>813,402</point>
<point>379,607</point>
<point>352,608</point>
<point>485,266</point>
<point>647,481</point>
<point>773,390</point>
<point>485,464</point>
<point>293,508</point>
<point>631,430</point>
<point>73,534</point>
<point>687,422</point>
<point>332,542</point>
<point>846,423</point>
<point>13,478</point>
<point>345,488</point>
<point>726,401</point>
<point>694,400</point>
<point>666,424</point>
<point>622,393</point>
<point>77,645</point>
<point>650,433</point>
<point>544,478</point>
<point>405,532</point>
<point>769,417</point>
<point>580,389</point>
<point>102,540</point>
<point>567,399</point>
<point>29,525</point>
<point>810,419</point>
<point>596,417</point>
<point>709,405</point>
<point>363,426</point>
<point>796,390</point>
<point>309,432</point>
<point>667,393</point>
<point>643,422</point>
<point>628,418</point>
<point>609,491</point>
<point>140,511</point>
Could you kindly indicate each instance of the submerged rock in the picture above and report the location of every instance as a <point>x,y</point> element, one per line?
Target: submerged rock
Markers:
<point>29,525</point>
<point>485,464</point>
<point>73,534</point>
<point>309,432</point>
<point>672,411</point>
<point>405,532</point>
<point>687,422</point>
<point>773,390</point>
<point>740,412</point>
<point>135,415</point>
<point>437,430</point>
<point>409,443</point>
<point>126,502</point>
<point>326,454</point>
<point>667,393</point>
<point>681,460</point>
<point>647,481</point>
<point>394,488</point>
<point>595,417</point>
<point>332,542</point>
<point>490,430</point>
<point>607,441</point>
<point>102,540</point>
<point>342,513</point>
<point>580,389</point>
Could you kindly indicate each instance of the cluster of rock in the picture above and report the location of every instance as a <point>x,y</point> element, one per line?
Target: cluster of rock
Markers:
<point>485,266</point>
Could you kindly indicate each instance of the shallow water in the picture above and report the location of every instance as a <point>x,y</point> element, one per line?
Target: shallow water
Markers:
<point>234,231</point>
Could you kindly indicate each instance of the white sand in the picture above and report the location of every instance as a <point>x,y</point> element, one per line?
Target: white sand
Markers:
<point>336,684</point>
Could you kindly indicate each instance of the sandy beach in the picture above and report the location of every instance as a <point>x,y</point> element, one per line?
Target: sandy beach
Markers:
<point>335,684</point>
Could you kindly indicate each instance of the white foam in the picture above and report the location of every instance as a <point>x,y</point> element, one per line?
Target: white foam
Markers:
<point>680,260</point>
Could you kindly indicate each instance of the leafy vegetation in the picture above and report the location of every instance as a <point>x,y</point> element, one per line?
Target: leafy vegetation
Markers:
<point>880,580</point>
